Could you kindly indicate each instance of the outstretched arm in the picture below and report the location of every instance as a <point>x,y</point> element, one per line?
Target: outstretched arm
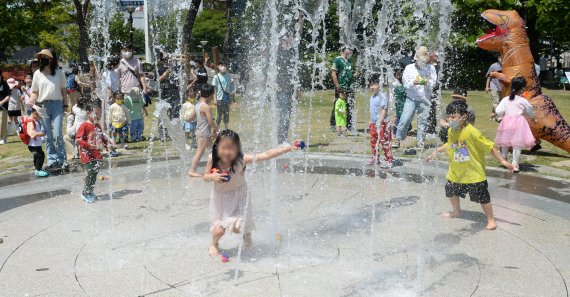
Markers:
<point>268,154</point>
<point>495,153</point>
<point>503,78</point>
<point>437,150</point>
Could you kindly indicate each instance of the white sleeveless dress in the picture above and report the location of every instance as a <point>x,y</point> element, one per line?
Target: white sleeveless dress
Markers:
<point>229,207</point>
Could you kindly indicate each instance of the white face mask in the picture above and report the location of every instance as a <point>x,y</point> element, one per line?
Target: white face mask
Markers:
<point>222,69</point>
<point>349,56</point>
<point>127,54</point>
<point>422,63</point>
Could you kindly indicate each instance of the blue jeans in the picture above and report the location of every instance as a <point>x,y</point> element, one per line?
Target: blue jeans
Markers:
<point>136,129</point>
<point>53,123</point>
<point>410,109</point>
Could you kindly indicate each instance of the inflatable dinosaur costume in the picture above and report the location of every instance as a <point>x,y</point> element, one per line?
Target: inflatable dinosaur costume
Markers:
<point>509,38</point>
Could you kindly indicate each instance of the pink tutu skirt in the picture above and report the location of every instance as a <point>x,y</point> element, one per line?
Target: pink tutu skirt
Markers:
<point>514,131</point>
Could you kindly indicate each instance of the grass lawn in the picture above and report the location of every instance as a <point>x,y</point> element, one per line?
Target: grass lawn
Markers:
<point>313,111</point>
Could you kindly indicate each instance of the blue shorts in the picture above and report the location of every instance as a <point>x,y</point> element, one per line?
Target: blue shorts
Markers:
<point>189,126</point>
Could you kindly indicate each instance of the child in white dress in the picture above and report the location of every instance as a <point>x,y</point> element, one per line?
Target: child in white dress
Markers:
<point>229,207</point>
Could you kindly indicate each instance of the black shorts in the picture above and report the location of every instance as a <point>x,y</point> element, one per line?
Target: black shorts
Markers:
<point>14,113</point>
<point>478,192</point>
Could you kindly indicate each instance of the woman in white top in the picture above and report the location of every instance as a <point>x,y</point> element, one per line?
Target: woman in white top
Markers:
<point>48,95</point>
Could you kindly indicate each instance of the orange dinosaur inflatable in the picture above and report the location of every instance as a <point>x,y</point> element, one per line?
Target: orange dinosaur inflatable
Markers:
<point>510,40</point>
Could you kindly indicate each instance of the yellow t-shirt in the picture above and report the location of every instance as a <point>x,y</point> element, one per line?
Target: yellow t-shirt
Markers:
<point>466,149</point>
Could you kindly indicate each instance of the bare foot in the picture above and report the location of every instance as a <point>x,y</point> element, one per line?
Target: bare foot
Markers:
<point>236,230</point>
<point>451,215</point>
<point>194,174</point>
<point>491,225</point>
<point>213,250</point>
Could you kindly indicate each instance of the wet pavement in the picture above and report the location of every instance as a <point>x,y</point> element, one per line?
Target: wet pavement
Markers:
<point>325,226</point>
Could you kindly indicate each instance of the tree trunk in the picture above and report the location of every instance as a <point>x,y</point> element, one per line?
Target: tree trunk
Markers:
<point>229,28</point>
<point>81,21</point>
<point>531,31</point>
<point>187,30</point>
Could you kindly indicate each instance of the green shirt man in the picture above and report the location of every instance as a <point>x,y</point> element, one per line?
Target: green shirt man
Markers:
<point>343,68</point>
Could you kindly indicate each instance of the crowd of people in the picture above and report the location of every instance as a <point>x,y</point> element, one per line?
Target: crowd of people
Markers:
<point>95,125</point>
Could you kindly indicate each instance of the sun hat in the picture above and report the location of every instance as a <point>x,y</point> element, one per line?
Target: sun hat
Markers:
<point>12,82</point>
<point>459,94</point>
<point>44,52</point>
<point>422,54</point>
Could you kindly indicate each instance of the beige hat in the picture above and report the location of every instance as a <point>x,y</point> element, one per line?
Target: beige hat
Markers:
<point>422,54</point>
<point>44,52</point>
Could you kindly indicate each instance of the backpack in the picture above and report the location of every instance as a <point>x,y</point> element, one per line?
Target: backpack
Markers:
<point>23,130</point>
<point>71,83</point>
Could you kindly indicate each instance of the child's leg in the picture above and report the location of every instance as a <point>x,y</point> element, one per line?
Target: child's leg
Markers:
<point>505,151</point>
<point>202,143</point>
<point>516,155</point>
<point>373,138</point>
<point>39,156</point>
<point>456,209</point>
<point>247,242</point>
<point>217,234</point>
<point>488,210</point>
<point>386,141</point>
<point>91,170</point>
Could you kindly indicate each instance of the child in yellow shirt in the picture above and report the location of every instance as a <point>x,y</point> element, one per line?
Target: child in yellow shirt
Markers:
<point>466,148</point>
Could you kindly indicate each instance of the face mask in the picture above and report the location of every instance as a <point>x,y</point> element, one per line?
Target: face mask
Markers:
<point>456,124</point>
<point>222,69</point>
<point>422,63</point>
<point>120,102</point>
<point>349,56</point>
<point>127,54</point>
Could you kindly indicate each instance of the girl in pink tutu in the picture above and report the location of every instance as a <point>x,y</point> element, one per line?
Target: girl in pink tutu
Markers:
<point>229,206</point>
<point>514,131</point>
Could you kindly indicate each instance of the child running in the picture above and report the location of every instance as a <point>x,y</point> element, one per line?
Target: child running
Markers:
<point>380,131</point>
<point>188,114</point>
<point>514,131</point>
<point>229,208</point>
<point>340,113</point>
<point>36,134</point>
<point>91,141</point>
<point>466,148</point>
<point>205,127</point>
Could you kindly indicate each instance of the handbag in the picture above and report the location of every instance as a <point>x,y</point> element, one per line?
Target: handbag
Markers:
<point>226,97</point>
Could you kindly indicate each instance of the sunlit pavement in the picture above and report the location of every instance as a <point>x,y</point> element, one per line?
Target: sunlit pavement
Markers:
<point>346,229</point>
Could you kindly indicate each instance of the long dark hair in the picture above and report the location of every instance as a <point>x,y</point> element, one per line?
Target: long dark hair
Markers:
<point>52,62</point>
<point>517,84</point>
<point>233,136</point>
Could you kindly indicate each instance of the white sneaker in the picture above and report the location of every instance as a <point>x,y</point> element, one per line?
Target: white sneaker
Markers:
<point>188,147</point>
<point>2,141</point>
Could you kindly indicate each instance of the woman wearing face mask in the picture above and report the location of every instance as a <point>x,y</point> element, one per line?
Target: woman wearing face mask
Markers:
<point>133,84</point>
<point>48,95</point>
<point>224,90</point>
<point>418,79</point>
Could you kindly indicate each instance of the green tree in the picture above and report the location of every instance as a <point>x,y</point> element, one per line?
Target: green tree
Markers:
<point>210,25</point>
<point>119,34</point>
<point>22,21</point>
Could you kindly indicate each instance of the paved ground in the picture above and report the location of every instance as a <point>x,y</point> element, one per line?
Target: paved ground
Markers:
<point>347,230</point>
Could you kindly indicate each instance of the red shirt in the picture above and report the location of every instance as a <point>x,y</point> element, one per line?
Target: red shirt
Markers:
<point>89,136</point>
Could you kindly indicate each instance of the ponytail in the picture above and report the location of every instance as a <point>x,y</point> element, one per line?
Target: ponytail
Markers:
<point>517,84</point>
